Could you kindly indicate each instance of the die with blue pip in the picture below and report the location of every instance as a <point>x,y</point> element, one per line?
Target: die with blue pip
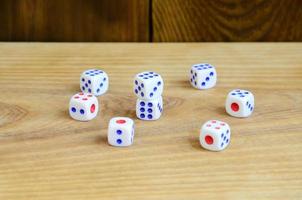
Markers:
<point>149,109</point>
<point>148,87</point>
<point>94,81</point>
<point>203,76</point>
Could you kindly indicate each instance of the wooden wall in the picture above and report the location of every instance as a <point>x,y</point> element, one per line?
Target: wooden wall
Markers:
<point>150,20</point>
<point>74,20</point>
<point>227,20</point>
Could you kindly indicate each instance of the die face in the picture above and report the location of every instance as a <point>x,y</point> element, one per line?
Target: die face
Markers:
<point>149,109</point>
<point>148,85</point>
<point>215,135</point>
<point>203,76</point>
<point>83,106</point>
<point>121,131</point>
<point>240,103</point>
<point>94,81</point>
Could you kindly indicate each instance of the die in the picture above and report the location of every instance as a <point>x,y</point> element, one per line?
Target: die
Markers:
<point>240,103</point>
<point>215,135</point>
<point>121,131</point>
<point>148,85</point>
<point>149,109</point>
<point>94,81</point>
<point>203,76</point>
<point>83,106</point>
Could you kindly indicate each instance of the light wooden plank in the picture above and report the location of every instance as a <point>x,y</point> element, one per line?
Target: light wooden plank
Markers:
<point>45,154</point>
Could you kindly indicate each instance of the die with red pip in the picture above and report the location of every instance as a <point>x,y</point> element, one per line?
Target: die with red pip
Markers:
<point>121,131</point>
<point>83,106</point>
<point>240,103</point>
<point>215,135</point>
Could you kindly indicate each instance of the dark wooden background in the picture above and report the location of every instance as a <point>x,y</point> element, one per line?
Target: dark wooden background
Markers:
<point>150,20</point>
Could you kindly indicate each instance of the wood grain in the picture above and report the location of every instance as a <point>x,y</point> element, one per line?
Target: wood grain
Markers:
<point>45,154</point>
<point>219,20</point>
<point>74,20</point>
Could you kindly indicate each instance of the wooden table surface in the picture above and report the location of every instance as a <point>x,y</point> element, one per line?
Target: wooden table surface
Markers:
<point>44,154</point>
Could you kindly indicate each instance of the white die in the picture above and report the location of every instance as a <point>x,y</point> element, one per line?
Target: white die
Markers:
<point>203,76</point>
<point>149,109</point>
<point>83,106</point>
<point>94,81</point>
<point>148,85</point>
<point>215,135</point>
<point>240,103</point>
<point>121,131</point>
